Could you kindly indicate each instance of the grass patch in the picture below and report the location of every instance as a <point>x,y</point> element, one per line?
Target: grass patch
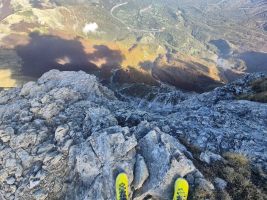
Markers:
<point>238,174</point>
<point>236,170</point>
<point>26,13</point>
<point>199,193</point>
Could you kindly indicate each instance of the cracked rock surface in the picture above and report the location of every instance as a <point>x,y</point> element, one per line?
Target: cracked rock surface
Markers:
<point>67,137</point>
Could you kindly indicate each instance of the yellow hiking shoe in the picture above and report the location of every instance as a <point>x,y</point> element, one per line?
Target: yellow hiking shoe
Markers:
<point>122,192</point>
<point>181,189</point>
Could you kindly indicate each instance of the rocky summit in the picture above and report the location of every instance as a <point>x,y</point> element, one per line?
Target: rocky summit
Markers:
<point>66,136</point>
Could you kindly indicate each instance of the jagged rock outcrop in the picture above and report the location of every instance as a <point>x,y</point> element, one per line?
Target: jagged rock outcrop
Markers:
<point>60,138</point>
<point>67,136</point>
<point>217,122</point>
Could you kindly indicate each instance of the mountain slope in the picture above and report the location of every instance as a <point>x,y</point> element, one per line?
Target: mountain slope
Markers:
<point>228,44</point>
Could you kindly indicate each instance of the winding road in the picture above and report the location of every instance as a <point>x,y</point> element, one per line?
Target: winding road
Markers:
<point>130,28</point>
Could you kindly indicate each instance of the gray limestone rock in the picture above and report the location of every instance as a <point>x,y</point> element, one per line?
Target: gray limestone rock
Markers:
<point>67,137</point>
<point>220,183</point>
<point>61,132</point>
<point>209,157</point>
<point>141,172</point>
<point>163,163</point>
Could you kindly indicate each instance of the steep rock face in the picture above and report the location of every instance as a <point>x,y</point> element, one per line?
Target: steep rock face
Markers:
<point>217,122</point>
<point>60,138</point>
<point>67,137</point>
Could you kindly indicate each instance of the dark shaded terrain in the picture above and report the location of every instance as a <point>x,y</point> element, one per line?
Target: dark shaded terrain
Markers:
<point>133,75</point>
<point>223,47</point>
<point>186,75</point>
<point>186,79</point>
<point>46,52</point>
<point>255,61</point>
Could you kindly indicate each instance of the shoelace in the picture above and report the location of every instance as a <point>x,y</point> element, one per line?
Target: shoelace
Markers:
<point>122,190</point>
<point>180,195</point>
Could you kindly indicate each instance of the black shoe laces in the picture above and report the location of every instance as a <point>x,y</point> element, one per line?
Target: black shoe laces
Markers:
<point>181,195</point>
<point>122,189</point>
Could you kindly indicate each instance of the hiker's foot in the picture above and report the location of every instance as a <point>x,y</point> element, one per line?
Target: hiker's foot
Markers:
<point>181,189</point>
<point>122,192</point>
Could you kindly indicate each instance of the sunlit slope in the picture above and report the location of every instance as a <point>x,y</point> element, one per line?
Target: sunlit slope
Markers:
<point>6,79</point>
